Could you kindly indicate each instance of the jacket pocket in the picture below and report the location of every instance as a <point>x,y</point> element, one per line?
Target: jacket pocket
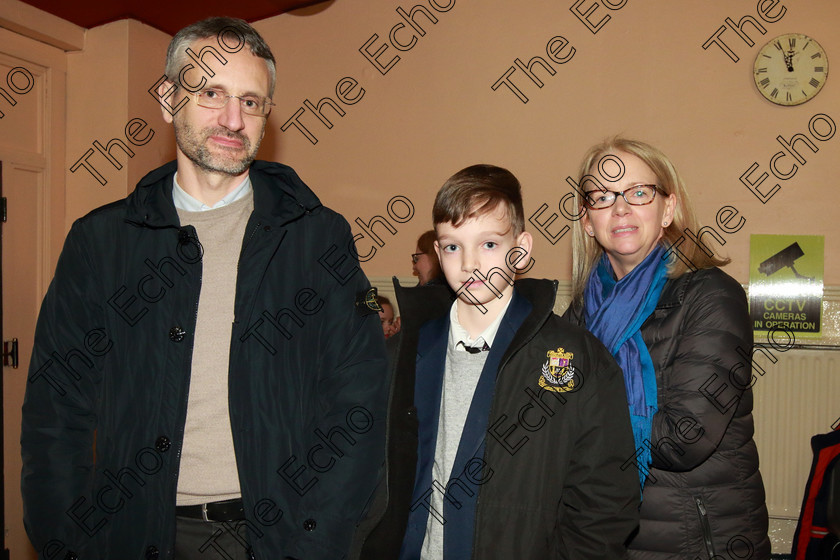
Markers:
<point>704,526</point>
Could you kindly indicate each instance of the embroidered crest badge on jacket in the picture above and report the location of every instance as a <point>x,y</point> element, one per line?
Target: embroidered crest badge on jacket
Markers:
<point>558,372</point>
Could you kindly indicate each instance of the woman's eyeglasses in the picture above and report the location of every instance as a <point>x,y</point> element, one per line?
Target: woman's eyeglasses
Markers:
<point>637,195</point>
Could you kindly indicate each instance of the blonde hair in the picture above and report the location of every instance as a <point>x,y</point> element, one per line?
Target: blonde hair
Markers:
<point>585,249</point>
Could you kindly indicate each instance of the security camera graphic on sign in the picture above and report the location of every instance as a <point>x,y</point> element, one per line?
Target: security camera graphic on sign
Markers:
<point>784,259</point>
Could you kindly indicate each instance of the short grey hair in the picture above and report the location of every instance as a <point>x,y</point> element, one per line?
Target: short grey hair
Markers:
<point>231,34</point>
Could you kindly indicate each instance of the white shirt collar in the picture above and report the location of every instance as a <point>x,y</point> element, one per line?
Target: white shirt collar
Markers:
<point>458,336</point>
<point>184,201</point>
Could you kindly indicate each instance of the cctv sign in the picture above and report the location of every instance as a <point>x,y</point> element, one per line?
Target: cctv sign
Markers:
<point>786,283</point>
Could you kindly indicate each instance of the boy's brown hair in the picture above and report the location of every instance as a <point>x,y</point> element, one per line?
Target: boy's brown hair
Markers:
<point>476,191</point>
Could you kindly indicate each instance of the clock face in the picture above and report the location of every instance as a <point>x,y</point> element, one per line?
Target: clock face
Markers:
<point>791,69</point>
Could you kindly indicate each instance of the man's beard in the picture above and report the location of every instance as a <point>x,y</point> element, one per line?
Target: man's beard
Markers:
<point>194,145</point>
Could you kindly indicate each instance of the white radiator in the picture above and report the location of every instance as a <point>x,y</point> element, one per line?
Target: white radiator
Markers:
<point>798,397</point>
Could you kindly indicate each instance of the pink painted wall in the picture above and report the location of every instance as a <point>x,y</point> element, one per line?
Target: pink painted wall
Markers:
<point>644,73</point>
<point>404,130</point>
<point>107,87</point>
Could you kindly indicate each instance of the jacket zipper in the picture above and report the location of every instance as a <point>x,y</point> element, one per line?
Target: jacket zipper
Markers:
<point>704,525</point>
<point>502,364</point>
<point>177,471</point>
<point>233,356</point>
<point>244,245</point>
<point>239,262</point>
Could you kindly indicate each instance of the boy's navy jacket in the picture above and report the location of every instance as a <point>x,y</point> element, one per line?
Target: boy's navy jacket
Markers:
<point>111,364</point>
<point>558,477</point>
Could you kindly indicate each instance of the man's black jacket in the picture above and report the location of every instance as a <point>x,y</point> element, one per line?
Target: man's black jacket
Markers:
<point>104,412</point>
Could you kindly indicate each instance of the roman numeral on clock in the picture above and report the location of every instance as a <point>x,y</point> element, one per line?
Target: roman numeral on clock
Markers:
<point>787,77</point>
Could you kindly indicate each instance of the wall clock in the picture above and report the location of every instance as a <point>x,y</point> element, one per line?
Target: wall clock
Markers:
<point>791,69</point>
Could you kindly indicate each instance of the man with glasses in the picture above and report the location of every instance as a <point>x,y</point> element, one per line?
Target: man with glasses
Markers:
<point>424,261</point>
<point>208,378</point>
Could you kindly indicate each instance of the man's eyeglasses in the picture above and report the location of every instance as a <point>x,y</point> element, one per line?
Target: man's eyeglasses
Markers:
<point>415,257</point>
<point>250,104</point>
<point>637,195</point>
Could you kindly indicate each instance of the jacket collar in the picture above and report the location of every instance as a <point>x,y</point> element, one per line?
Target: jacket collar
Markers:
<point>422,303</point>
<point>673,293</point>
<point>279,196</point>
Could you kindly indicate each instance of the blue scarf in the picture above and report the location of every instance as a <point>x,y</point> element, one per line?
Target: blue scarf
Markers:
<point>614,312</point>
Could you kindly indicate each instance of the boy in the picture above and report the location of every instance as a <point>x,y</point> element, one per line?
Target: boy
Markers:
<point>509,435</point>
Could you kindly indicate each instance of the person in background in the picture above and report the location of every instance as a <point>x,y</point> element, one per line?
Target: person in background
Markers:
<point>507,431</point>
<point>390,324</point>
<point>680,329</point>
<point>424,261</point>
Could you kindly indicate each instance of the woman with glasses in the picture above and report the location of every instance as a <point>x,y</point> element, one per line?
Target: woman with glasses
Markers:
<point>424,260</point>
<point>679,327</point>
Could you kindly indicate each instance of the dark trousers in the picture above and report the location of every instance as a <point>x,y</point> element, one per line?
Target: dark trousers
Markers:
<point>196,539</point>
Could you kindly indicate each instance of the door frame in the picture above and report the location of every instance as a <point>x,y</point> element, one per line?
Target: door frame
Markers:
<point>47,65</point>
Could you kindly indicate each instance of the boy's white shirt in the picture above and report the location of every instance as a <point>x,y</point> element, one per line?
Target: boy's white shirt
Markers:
<point>456,397</point>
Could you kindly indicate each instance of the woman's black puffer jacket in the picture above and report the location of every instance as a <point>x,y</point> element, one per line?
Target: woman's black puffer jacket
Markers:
<point>704,497</point>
